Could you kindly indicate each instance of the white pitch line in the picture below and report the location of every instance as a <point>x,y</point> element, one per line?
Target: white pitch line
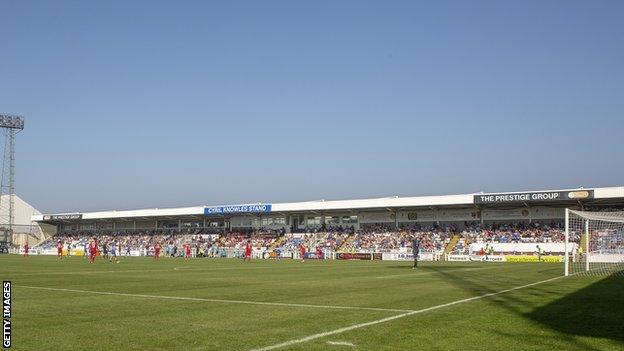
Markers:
<point>428,272</point>
<point>340,343</point>
<point>388,319</point>
<point>421,273</point>
<point>93,272</point>
<point>179,268</point>
<point>263,303</point>
<point>189,268</point>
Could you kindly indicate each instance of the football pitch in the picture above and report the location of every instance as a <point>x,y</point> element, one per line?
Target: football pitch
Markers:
<point>227,304</point>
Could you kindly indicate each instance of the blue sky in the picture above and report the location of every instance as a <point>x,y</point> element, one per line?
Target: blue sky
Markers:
<point>154,104</point>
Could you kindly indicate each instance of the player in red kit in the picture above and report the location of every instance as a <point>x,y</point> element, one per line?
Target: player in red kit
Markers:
<point>59,250</point>
<point>302,251</point>
<point>26,250</point>
<point>187,251</point>
<point>319,253</point>
<point>157,251</point>
<point>248,251</point>
<point>92,251</point>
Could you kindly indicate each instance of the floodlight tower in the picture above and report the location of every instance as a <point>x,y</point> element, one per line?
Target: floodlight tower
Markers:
<point>11,125</point>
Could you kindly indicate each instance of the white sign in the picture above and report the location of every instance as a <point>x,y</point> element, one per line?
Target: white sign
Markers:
<point>488,258</point>
<point>376,217</point>
<point>458,258</point>
<point>403,256</point>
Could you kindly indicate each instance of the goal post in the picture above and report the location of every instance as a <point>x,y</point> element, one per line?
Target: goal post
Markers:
<point>566,248</point>
<point>594,242</point>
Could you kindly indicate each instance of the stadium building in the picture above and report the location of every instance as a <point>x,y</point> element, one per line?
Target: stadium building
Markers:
<point>24,230</point>
<point>458,210</point>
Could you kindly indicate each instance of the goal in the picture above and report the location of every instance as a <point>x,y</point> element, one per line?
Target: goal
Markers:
<point>594,242</point>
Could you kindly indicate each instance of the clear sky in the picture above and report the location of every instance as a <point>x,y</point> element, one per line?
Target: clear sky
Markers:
<point>134,104</point>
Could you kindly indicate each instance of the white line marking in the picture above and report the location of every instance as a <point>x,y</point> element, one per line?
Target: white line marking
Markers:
<point>340,343</point>
<point>388,319</point>
<point>429,272</point>
<point>186,268</point>
<point>217,300</point>
<point>178,268</point>
<point>190,268</point>
<point>92,272</point>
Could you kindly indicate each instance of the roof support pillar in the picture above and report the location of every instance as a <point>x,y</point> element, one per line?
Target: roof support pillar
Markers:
<point>396,219</point>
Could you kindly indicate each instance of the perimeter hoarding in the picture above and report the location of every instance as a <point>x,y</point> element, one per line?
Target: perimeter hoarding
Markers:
<point>538,196</point>
<point>233,209</point>
<point>358,256</point>
<point>61,217</point>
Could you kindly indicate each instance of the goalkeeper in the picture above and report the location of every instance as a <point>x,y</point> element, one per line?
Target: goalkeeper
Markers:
<point>415,251</point>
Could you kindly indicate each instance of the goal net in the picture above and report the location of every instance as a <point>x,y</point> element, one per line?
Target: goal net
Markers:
<point>594,242</point>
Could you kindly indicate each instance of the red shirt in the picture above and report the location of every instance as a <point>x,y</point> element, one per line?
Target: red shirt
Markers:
<point>248,248</point>
<point>157,247</point>
<point>59,246</point>
<point>302,249</point>
<point>92,247</point>
<point>188,249</point>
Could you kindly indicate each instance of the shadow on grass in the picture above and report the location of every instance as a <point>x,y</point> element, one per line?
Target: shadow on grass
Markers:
<point>596,310</point>
<point>407,266</point>
<point>593,311</point>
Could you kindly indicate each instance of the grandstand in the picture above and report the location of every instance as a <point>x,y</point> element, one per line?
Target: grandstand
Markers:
<point>349,291</point>
<point>451,227</point>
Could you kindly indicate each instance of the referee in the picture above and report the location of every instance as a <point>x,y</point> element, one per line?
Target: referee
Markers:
<point>415,251</point>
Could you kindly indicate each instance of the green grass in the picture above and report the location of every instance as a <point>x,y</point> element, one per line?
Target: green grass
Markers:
<point>574,313</point>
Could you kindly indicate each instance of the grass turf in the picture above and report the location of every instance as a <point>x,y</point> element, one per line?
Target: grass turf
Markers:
<point>575,313</point>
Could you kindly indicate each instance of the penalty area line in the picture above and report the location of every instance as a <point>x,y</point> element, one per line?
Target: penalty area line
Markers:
<point>425,272</point>
<point>391,318</point>
<point>243,302</point>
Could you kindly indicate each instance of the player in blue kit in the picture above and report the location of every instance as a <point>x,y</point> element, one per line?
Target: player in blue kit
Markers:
<point>113,253</point>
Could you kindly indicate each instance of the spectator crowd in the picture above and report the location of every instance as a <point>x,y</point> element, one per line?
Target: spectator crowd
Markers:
<point>368,238</point>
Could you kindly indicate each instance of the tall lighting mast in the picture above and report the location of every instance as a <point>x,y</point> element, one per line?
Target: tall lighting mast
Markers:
<point>11,125</point>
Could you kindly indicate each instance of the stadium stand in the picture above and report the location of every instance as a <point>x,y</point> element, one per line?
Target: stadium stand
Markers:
<point>509,233</point>
<point>376,238</point>
<point>383,238</point>
<point>329,240</point>
<point>447,225</point>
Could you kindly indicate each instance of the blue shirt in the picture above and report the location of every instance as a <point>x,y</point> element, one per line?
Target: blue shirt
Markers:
<point>415,246</point>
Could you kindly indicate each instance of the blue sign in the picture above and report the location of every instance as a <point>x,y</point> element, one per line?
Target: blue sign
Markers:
<point>254,208</point>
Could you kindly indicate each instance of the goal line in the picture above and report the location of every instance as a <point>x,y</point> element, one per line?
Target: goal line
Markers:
<point>388,319</point>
